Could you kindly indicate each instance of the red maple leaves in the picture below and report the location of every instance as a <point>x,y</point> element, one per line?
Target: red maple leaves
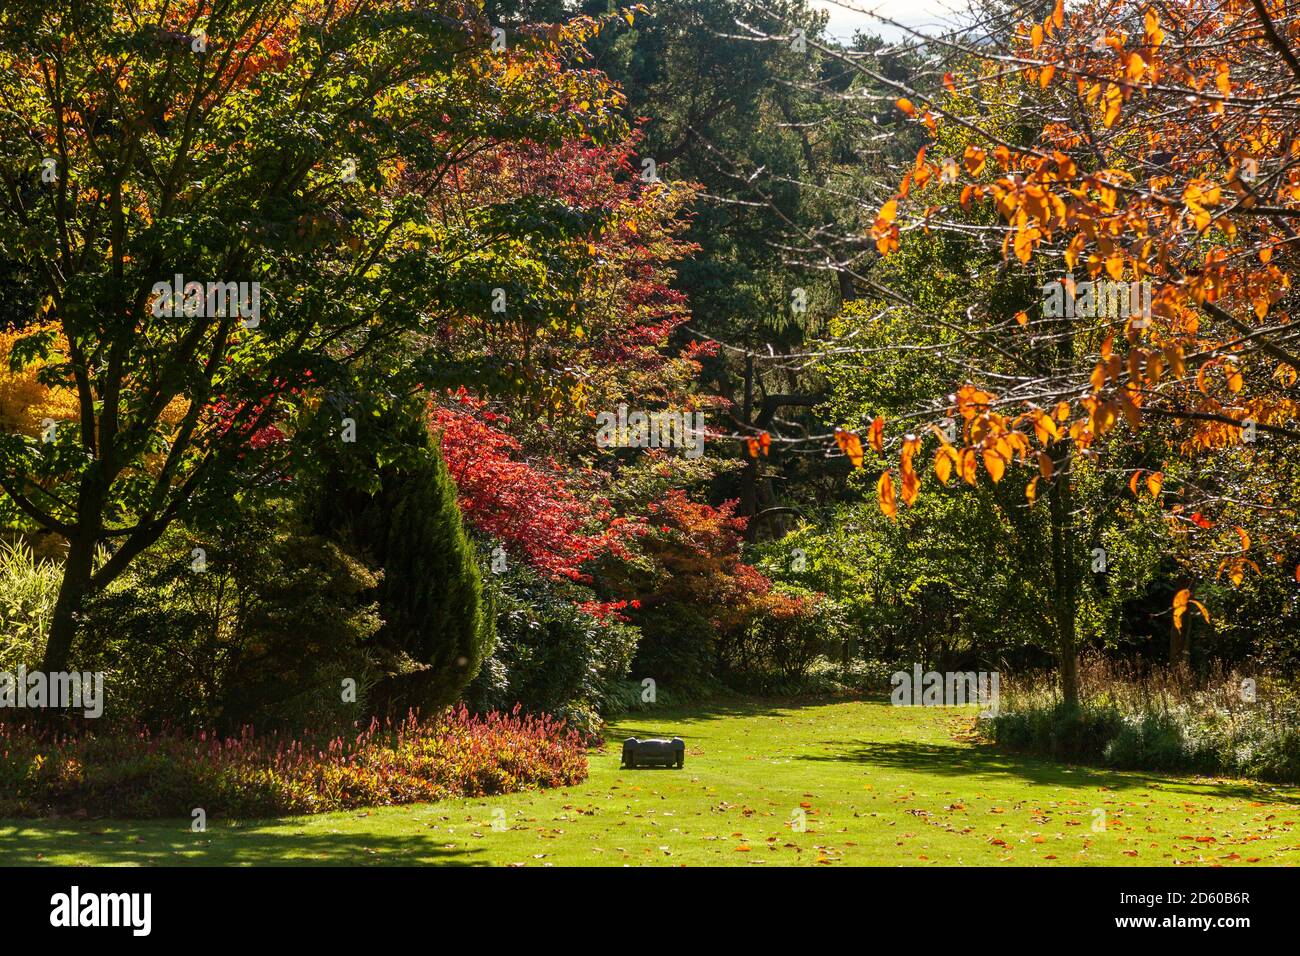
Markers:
<point>528,506</point>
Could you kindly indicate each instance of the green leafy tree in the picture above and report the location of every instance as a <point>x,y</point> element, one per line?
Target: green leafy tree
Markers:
<point>302,148</point>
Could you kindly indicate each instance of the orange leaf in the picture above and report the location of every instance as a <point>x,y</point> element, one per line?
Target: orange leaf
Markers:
<point>1045,429</point>
<point>1181,601</point>
<point>885,493</point>
<point>1024,242</point>
<point>884,231</point>
<point>911,485</point>
<point>851,445</point>
<point>1154,35</point>
<point>1180,607</point>
<point>968,465</point>
<point>995,464</point>
<point>1134,67</point>
<point>1113,102</point>
<point>876,434</point>
<point>944,460</point>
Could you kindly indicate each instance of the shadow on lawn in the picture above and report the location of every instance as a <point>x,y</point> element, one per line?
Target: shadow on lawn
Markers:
<point>38,842</point>
<point>988,761</point>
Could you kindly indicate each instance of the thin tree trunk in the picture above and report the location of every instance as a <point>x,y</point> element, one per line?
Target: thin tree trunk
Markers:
<point>749,474</point>
<point>1064,576</point>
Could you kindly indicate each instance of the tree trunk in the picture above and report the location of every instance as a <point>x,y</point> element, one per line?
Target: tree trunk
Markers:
<point>72,591</point>
<point>1064,575</point>
<point>77,569</point>
<point>749,474</point>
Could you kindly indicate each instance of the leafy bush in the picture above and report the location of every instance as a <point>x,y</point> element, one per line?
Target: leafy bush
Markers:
<point>856,677</point>
<point>138,774</point>
<point>772,654</point>
<point>677,648</point>
<point>551,656</point>
<point>1063,733</point>
<point>29,586</point>
<point>1156,742</point>
<point>256,625</point>
<point>700,602</point>
<point>799,626</point>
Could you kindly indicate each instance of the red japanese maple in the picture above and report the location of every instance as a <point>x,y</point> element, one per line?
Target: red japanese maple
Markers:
<point>528,506</point>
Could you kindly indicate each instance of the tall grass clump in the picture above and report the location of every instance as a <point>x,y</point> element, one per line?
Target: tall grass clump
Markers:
<point>29,586</point>
<point>1222,723</point>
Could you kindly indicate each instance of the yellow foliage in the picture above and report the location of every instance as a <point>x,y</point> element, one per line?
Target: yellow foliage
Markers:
<point>24,401</point>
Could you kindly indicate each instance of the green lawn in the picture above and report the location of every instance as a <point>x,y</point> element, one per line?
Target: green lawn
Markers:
<point>876,785</point>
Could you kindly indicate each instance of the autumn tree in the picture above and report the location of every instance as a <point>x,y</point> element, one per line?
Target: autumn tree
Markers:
<point>615,336</point>
<point>296,146</point>
<point>529,470</point>
<point>1144,146</point>
<point>528,506</point>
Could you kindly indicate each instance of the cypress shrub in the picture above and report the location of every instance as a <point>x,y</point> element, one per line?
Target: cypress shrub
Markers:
<point>438,626</point>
